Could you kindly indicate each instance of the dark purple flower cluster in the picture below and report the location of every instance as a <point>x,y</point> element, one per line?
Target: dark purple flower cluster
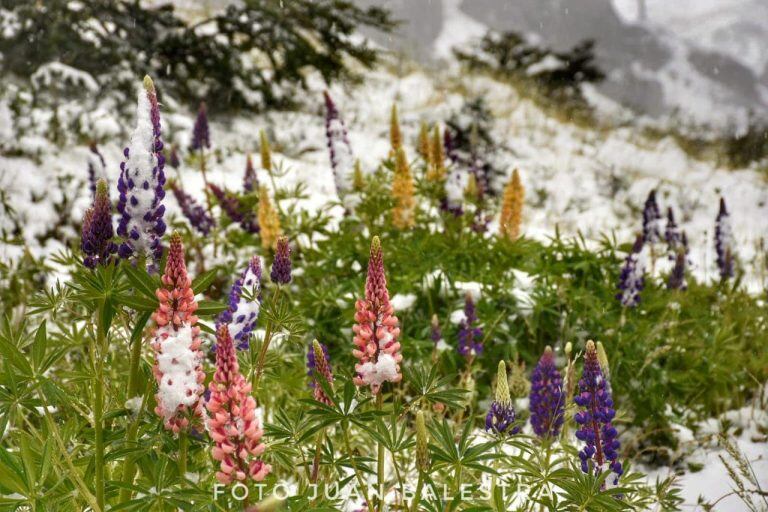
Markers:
<point>250,180</point>
<point>672,234</point>
<point>244,304</point>
<point>201,135</point>
<point>724,242</point>
<point>595,428</point>
<point>632,277</point>
<point>470,335</point>
<point>141,183</point>
<point>234,210</point>
<point>546,398</point>
<point>97,168</point>
<point>173,158</point>
<point>339,149</point>
<point>97,233</point>
<point>651,219</point>
<point>677,276</point>
<point>195,213</point>
<point>281,267</point>
<point>501,419</point>
<point>311,364</point>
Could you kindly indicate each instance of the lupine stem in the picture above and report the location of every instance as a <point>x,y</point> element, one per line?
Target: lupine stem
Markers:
<point>381,454</point>
<point>359,477</point>
<point>417,494</point>
<point>98,352</point>
<point>259,367</point>
<point>183,444</point>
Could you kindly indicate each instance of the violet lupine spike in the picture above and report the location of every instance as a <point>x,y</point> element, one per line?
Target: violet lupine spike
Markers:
<point>281,266</point>
<point>201,134</point>
<point>651,219</point>
<point>600,452</point>
<point>724,243</point>
<point>376,329</point>
<point>470,335</point>
<point>97,167</point>
<point>244,304</point>
<point>501,416</point>
<point>250,180</point>
<point>141,183</point>
<point>632,276</point>
<point>322,371</point>
<point>97,232</point>
<point>672,234</point>
<point>232,207</point>
<point>173,158</point>
<point>311,362</point>
<point>340,151</point>
<point>547,401</point>
<point>677,279</point>
<point>435,332</point>
<point>195,213</point>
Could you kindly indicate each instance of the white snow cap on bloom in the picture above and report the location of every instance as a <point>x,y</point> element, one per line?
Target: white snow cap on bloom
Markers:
<point>247,309</point>
<point>384,370</point>
<point>177,362</point>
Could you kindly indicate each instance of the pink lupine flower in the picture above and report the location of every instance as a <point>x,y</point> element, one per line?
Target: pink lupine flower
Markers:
<point>376,329</point>
<point>178,360</point>
<point>232,420</point>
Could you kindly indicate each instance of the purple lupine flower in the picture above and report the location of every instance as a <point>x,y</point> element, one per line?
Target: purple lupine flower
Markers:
<point>724,242</point>
<point>546,397</point>
<point>250,180</point>
<point>173,158</point>
<point>595,428</point>
<point>500,419</point>
<point>232,207</point>
<point>97,167</point>
<point>470,335</point>
<point>281,267</point>
<point>141,183</point>
<point>201,135</point>
<point>651,219</point>
<point>672,234</point>
<point>435,332</point>
<point>677,276</point>
<point>244,304</point>
<point>97,233</point>
<point>195,214</point>
<point>339,149</point>
<point>632,277</point>
<point>311,364</point>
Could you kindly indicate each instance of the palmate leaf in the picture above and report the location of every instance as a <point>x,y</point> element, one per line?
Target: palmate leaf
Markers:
<point>427,386</point>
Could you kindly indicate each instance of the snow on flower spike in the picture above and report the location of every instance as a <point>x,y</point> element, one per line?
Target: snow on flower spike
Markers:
<point>97,233</point>
<point>178,360</point>
<point>632,277</point>
<point>724,242</point>
<point>651,219</point>
<point>141,183</point>
<point>339,149</point>
<point>470,334</point>
<point>376,329</point>
<point>244,304</point>
<point>547,402</point>
<point>232,421</point>
<point>250,180</point>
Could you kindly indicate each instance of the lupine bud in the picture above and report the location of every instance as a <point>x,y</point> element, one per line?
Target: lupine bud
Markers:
<point>632,277</point>
<point>568,349</point>
<point>322,371</point>
<point>651,219</point>
<point>436,334</point>
<point>501,416</point>
<point>250,180</point>
<point>97,234</point>
<point>403,213</point>
<point>546,400</point>
<point>512,207</point>
<point>97,167</point>
<point>173,159</point>
<point>244,304</point>
<point>342,158</point>
<point>677,279</point>
<point>424,144</point>
<point>672,233</point>
<point>595,428</point>
<point>234,210</point>
<point>471,191</point>
<point>376,329</point>
<point>311,362</point>
<point>201,135</point>
<point>232,421</point>
<point>358,180</point>
<point>195,214</point>
<point>269,221</point>
<point>178,365</point>
<point>395,136</point>
<point>436,169</point>
<point>141,182</point>
<point>281,267</point>
<point>266,152</point>
<point>724,243</point>
<point>470,335</point>
<point>422,443</point>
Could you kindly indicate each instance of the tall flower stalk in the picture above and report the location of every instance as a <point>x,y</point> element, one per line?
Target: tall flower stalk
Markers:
<point>250,179</point>
<point>724,243</point>
<point>281,266</point>
<point>340,151</point>
<point>470,334</point>
<point>269,220</point>
<point>196,215</point>
<point>232,207</point>
<point>403,213</point>
<point>141,183</point>
<point>512,207</point>
<point>244,305</point>
<point>201,143</point>
<point>547,401</point>
<point>97,232</point>
<point>651,219</point>
<point>632,276</point>
<point>424,145</point>
<point>436,167</point>
<point>395,135</point>
<point>500,419</point>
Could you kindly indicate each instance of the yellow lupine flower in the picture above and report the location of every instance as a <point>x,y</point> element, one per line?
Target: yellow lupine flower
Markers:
<point>266,152</point>
<point>424,146</point>
<point>436,169</point>
<point>358,180</point>
<point>402,192</point>
<point>512,208</point>
<point>269,221</point>
<point>395,136</point>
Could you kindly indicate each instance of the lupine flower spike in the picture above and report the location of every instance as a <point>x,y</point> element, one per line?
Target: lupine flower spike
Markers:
<point>141,182</point>
<point>651,219</point>
<point>672,234</point>
<point>422,443</point>
<point>358,180</point>
<point>677,279</point>
<point>342,158</point>
<point>402,192</point>
<point>436,169</point>
<point>232,207</point>
<point>269,221</point>
<point>195,214</point>
<point>173,159</point>
<point>265,151</point>
<point>201,134</point>
<point>632,277</point>
<point>322,371</point>
<point>595,428</point>
<point>97,233</point>
<point>395,135</point>
<point>312,362</point>
<point>547,402</point>
<point>424,143</point>
<point>281,266</point>
<point>470,335</point>
<point>435,333</point>
<point>512,207</point>
<point>97,167</point>
<point>724,242</point>
<point>376,329</point>
<point>250,180</point>
<point>178,360</point>
<point>501,416</point>
<point>244,304</point>
<point>232,423</point>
